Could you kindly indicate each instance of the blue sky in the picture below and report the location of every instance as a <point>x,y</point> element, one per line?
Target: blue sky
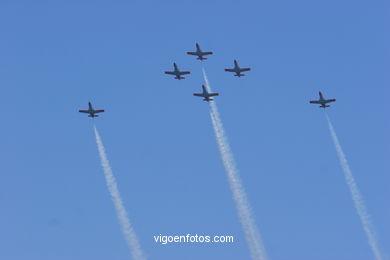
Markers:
<point>55,56</point>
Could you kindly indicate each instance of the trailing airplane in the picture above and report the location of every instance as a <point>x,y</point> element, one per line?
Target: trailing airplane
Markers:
<point>177,72</point>
<point>200,53</point>
<point>91,111</point>
<point>237,69</point>
<point>206,95</point>
<point>322,101</point>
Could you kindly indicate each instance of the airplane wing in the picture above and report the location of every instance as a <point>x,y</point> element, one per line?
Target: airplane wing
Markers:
<point>314,102</point>
<point>198,95</point>
<point>213,94</point>
<point>99,111</point>
<point>245,69</point>
<point>230,70</point>
<point>207,53</point>
<point>83,111</point>
<point>184,72</point>
<point>169,72</point>
<point>191,53</point>
<point>331,100</point>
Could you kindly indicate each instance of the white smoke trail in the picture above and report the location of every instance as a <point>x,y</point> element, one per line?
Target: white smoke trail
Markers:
<point>356,196</point>
<point>243,207</point>
<point>127,229</point>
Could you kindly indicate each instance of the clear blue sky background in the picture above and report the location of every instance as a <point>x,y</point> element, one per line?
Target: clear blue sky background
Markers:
<point>55,56</point>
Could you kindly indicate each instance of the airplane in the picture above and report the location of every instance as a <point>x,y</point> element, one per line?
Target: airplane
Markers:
<point>91,111</point>
<point>322,101</point>
<point>206,95</point>
<point>200,53</point>
<point>177,72</point>
<point>237,70</point>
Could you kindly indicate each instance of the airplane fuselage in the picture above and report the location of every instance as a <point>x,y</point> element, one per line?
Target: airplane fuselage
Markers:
<point>200,55</point>
<point>207,97</point>
<point>178,74</point>
<point>238,72</point>
<point>92,113</point>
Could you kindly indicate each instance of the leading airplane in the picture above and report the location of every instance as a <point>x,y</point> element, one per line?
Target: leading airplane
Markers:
<point>91,111</point>
<point>322,101</point>
<point>199,53</point>
<point>206,95</point>
<point>237,69</point>
<point>177,72</point>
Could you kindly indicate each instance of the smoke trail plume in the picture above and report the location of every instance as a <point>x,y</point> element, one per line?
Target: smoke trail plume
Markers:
<point>124,221</point>
<point>242,204</point>
<point>356,196</point>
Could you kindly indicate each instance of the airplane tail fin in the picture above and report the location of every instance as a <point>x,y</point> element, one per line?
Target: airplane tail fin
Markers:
<point>197,46</point>
<point>321,96</point>
<point>235,63</point>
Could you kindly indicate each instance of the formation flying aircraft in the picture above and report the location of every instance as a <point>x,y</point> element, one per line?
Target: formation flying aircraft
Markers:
<point>91,111</point>
<point>237,69</point>
<point>178,74</point>
<point>322,101</point>
<point>206,95</point>
<point>200,53</point>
